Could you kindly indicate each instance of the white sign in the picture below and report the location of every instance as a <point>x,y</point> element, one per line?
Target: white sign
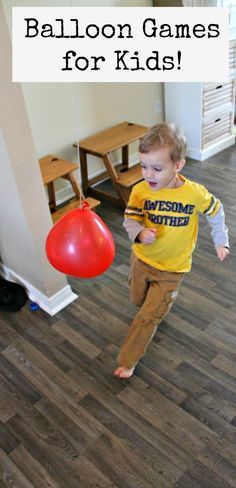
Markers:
<point>120,44</point>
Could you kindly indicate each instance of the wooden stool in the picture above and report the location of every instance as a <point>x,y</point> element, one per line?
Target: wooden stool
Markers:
<point>53,168</point>
<point>102,145</point>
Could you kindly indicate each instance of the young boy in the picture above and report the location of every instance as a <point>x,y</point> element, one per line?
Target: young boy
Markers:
<point>161,219</point>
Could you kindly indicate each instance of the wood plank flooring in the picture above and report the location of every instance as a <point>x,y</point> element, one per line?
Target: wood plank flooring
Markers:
<point>66,421</point>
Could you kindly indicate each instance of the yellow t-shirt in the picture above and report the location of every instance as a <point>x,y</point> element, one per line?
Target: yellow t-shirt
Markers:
<point>173,212</point>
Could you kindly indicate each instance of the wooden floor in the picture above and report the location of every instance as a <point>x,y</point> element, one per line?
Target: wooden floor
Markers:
<point>67,422</point>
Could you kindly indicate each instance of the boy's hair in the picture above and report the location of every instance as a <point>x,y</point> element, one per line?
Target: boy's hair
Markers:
<point>164,135</point>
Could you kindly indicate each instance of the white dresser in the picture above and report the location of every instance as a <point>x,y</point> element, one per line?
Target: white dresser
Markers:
<point>204,111</point>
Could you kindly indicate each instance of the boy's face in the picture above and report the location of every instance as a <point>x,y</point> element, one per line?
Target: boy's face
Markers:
<point>158,169</point>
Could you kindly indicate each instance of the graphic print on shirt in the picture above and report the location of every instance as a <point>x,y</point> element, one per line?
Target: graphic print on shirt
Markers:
<point>168,206</point>
<point>152,208</point>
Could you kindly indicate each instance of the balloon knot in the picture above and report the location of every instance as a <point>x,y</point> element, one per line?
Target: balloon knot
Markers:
<point>85,205</point>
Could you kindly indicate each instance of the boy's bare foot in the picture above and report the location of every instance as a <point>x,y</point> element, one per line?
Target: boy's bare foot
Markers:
<point>123,372</point>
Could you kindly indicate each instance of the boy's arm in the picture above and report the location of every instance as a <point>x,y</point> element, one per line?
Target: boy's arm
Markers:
<point>213,209</point>
<point>219,233</point>
<point>133,217</point>
<point>138,233</point>
<point>133,229</point>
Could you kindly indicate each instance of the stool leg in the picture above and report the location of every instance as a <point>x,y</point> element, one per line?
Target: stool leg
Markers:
<point>107,158</point>
<point>51,196</point>
<point>75,185</point>
<point>84,170</point>
<point>125,157</point>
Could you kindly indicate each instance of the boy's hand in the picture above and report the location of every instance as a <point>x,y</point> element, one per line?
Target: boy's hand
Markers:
<point>147,236</point>
<point>222,252</point>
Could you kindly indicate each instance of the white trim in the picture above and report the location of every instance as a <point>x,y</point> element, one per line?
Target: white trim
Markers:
<point>203,154</point>
<point>50,305</point>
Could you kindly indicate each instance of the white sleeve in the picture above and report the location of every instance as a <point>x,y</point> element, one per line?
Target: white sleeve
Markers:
<point>219,231</point>
<point>133,228</point>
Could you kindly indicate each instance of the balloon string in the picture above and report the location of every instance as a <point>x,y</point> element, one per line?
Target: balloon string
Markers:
<point>81,195</point>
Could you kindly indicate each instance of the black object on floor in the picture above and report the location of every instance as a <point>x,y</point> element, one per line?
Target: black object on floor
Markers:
<point>12,296</point>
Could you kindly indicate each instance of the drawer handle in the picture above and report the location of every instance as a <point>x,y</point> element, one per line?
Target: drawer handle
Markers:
<point>217,120</point>
<point>219,86</point>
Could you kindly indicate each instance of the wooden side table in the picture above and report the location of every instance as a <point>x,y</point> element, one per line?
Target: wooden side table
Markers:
<point>53,168</point>
<point>102,145</point>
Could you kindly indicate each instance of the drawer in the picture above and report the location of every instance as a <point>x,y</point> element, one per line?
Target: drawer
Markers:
<point>216,95</point>
<point>216,129</point>
<point>232,56</point>
<point>232,59</point>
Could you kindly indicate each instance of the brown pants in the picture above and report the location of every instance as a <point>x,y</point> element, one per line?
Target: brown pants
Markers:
<point>154,291</point>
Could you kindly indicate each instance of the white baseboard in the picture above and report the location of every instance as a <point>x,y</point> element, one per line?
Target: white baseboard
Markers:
<point>50,305</point>
<point>64,194</point>
<point>201,155</point>
<point>67,192</point>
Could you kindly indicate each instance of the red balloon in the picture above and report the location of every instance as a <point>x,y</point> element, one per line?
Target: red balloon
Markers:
<point>80,244</point>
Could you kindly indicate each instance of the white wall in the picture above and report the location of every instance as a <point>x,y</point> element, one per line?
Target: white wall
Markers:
<point>24,214</point>
<point>61,113</point>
